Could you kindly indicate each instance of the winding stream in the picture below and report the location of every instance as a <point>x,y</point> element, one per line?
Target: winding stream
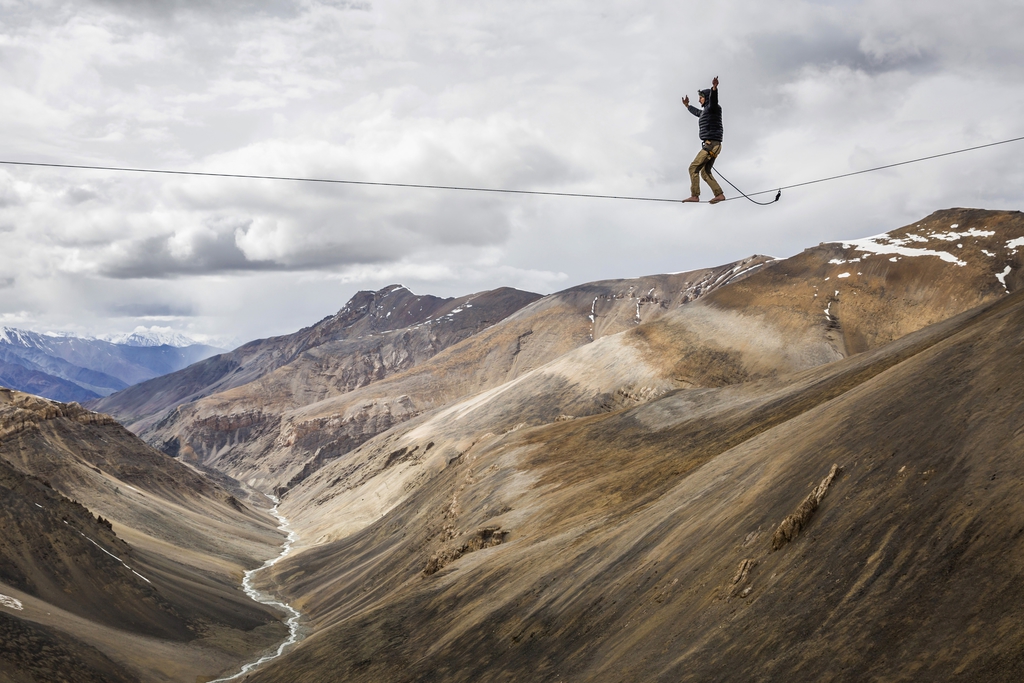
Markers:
<point>293,620</point>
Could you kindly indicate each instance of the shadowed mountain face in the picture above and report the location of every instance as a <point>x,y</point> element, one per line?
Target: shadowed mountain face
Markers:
<point>852,520</point>
<point>76,369</point>
<point>114,552</point>
<point>24,375</point>
<point>34,653</point>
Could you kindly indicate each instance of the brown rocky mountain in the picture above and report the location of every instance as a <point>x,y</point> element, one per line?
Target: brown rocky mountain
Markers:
<point>374,335</point>
<point>123,563</point>
<point>276,430</point>
<point>799,469</point>
<point>787,316</point>
<point>818,485</point>
<point>860,520</point>
<point>817,307</point>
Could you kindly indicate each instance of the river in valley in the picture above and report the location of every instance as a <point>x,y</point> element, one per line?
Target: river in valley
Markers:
<point>293,614</point>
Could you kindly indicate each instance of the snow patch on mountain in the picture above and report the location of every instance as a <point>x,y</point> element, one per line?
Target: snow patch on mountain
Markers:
<point>1002,277</point>
<point>884,244</point>
<point>14,337</point>
<point>11,603</point>
<point>140,336</point>
<point>953,236</point>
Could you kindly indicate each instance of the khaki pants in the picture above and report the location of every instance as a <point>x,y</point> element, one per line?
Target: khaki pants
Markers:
<point>701,168</point>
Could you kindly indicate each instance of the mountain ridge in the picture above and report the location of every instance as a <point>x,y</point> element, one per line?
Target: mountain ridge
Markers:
<point>64,367</point>
<point>260,413</point>
<point>152,336</point>
<point>366,313</point>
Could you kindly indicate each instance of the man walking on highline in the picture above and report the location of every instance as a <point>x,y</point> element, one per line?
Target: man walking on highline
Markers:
<point>710,126</point>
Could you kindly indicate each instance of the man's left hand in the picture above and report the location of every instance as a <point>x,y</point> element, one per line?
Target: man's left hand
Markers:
<point>714,83</point>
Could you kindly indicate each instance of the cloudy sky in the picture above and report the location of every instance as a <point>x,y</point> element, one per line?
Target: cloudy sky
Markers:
<point>566,96</point>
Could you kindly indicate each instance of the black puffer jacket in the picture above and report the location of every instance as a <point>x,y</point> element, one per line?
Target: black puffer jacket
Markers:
<point>710,117</point>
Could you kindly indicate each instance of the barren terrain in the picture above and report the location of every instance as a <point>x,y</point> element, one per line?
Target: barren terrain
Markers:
<point>796,469</point>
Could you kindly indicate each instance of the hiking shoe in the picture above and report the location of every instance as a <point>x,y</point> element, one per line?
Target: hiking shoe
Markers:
<point>691,199</point>
<point>717,198</point>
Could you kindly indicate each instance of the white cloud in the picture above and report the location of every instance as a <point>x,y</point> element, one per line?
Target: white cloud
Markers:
<point>568,96</point>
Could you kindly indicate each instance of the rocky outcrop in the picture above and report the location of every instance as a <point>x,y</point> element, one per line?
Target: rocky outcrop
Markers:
<point>793,524</point>
<point>19,411</point>
<point>487,537</point>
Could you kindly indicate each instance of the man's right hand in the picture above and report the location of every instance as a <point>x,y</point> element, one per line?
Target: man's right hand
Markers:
<point>686,100</point>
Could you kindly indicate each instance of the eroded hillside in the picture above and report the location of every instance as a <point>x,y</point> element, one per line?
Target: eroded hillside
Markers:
<point>275,431</point>
<point>118,562</point>
<point>774,321</point>
<point>858,520</point>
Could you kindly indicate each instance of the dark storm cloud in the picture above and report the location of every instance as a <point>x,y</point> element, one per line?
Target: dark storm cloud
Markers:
<point>156,257</point>
<point>152,310</point>
<point>210,253</point>
<point>165,9</point>
<point>79,195</point>
<point>783,54</point>
<point>169,8</point>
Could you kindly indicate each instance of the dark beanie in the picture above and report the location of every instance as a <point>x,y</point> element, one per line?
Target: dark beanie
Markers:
<point>706,93</point>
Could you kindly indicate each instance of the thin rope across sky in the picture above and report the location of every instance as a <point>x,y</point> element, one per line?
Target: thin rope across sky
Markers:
<point>336,181</point>
<point>880,168</point>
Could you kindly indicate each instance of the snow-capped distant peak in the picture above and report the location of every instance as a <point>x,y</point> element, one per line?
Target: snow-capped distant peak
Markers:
<point>16,337</point>
<point>151,336</point>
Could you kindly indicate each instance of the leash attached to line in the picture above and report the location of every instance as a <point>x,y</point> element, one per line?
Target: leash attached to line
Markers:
<point>778,195</point>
